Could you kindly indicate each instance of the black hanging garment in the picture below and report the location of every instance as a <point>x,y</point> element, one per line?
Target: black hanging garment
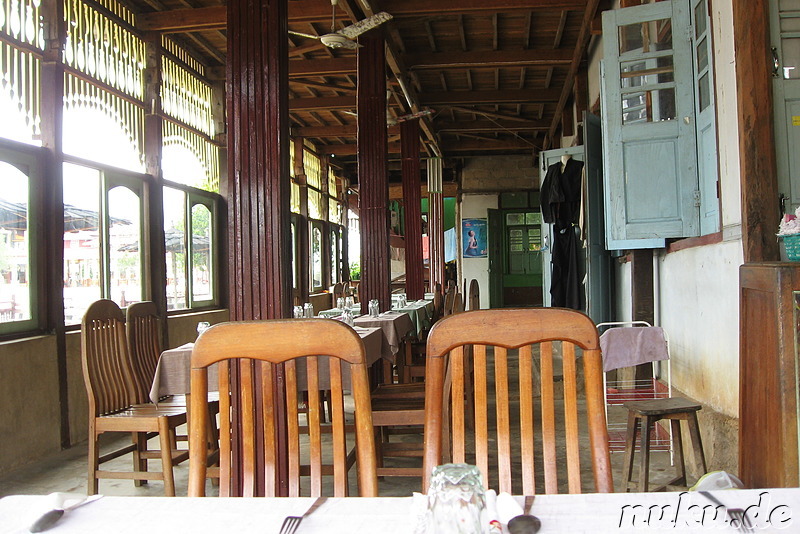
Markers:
<point>560,197</point>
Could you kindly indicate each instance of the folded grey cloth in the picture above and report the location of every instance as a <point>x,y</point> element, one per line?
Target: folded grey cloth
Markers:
<point>628,346</point>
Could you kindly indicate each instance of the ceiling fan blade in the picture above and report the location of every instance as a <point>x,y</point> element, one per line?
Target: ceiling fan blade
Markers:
<point>306,35</point>
<point>354,30</point>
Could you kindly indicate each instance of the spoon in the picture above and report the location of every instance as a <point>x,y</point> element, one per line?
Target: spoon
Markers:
<point>48,519</point>
<point>525,523</point>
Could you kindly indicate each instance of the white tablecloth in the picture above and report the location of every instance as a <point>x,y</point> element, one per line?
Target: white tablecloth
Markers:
<point>771,510</point>
<point>173,368</point>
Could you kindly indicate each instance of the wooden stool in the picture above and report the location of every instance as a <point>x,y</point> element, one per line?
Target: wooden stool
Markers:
<point>676,410</point>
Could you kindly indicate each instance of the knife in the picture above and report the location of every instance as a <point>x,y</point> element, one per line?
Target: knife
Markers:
<point>51,517</point>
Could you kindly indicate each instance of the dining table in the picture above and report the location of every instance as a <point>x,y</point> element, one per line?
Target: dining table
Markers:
<point>173,370</point>
<point>769,510</point>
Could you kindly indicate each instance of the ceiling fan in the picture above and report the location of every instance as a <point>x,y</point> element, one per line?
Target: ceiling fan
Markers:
<point>344,38</point>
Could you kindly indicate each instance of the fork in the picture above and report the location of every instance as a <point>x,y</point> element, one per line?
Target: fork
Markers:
<point>292,522</point>
<point>737,515</point>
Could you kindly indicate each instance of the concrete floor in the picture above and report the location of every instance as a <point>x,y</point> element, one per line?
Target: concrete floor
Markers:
<point>66,472</point>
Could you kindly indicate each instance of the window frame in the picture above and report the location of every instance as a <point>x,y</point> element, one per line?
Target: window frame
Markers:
<point>15,153</point>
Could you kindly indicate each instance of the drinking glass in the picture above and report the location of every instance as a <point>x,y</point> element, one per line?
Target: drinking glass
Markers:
<point>340,303</point>
<point>456,500</point>
<point>308,310</point>
<point>298,312</point>
<point>202,326</point>
<point>349,303</point>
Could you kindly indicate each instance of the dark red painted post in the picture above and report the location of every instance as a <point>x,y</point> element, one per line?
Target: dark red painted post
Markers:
<point>409,147</point>
<point>258,171</point>
<point>373,179</point>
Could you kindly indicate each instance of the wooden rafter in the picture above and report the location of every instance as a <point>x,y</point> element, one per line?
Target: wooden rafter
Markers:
<point>488,59</point>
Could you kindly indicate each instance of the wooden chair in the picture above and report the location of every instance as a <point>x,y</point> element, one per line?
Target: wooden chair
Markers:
<point>505,329</point>
<point>143,329</point>
<point>474,295</point>
<point>337,292</point>
<point>255,348</point>
<point>110,386</point>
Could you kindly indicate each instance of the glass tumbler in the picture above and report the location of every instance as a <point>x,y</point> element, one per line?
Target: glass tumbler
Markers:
<point>456,500</point>
<point>340,303</point>
<point>202,326</point>
<point>349,303</point>
<point>298,312</point>
<point>308,310</point>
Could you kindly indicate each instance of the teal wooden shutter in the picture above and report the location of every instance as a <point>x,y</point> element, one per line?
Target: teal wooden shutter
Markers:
<point>706,120</point>
<point>650,178</point>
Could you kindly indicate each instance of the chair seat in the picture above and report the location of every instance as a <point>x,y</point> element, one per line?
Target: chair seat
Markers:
<point>141,418</point>
<point>662,406</point>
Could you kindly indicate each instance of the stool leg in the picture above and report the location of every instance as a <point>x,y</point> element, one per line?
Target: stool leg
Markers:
<point>697,443</point>
<point>644,451</point>
<point>677,447</point>
<point>630,439</point>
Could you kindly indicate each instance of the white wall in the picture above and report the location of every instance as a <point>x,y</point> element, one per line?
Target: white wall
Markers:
<point>475,207</point>
<point>699,303</point>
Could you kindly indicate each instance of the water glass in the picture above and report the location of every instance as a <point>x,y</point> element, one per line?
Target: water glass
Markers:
<point>402,302</point>
<point>308,310</point>
<point>456,500</point>
<point>298,312</point>
<point>202,326</point>
<point>374,308</point>
<point>347,317</point>
<point>349,303</point>
<point>340,303</point>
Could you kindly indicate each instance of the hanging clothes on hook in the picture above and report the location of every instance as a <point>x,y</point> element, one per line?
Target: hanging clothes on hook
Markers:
<point>561,203</point>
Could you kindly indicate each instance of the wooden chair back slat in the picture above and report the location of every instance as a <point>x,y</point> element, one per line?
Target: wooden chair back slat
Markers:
<point>449,302</point>
<point>248,435</point>
<point>143,327</point>
<point>104,354</point>
<point>526,419</point>
<point>457,417</point>
<point>225,451</point>
<point>270,424</point>
<point>571,418</point>
<point>503,419</point>
<point>277,342</point>
<point>556,335</point>
<point>481,411</point>
<point>314,430</point>
<point>339,434</point>
<point>292,427</point>
<point>548,419</point>
<point>458,303</point>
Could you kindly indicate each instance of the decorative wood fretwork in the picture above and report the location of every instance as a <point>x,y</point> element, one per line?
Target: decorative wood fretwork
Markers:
<point>104,49</point>
<point>206,152</point>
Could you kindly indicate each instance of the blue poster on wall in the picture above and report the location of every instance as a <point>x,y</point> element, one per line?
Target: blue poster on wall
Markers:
<point>474,240</point>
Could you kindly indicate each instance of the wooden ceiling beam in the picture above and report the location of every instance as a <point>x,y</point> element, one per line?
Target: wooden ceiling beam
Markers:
<point>321,67</point>
<point>345,130</point>
<point>418,8</point>
<point>578,54</point>
<point>450,189</point>
<point>470,145</point>
<point>489,114</point>
<point>513,96</point>
<point>351,149</point>
<point>488,59</point>
<point>322,103</point>
<point>491,126</point>
<point>320,85</point>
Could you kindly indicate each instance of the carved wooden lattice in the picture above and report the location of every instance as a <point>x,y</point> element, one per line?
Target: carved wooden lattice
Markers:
<point>206,152</point>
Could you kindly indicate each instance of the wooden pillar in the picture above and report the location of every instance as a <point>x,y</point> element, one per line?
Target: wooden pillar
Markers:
<point>760,210</point>
<point>642,297</point>
<point>327,244</point>
<point>409,146</point>
<point>50,250</point>
<point>258,193</point>
<point>344,199</point>
<point>153,147</point>
<point>435,222</point>
<point>373,176</point>
<point>303,229</point>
